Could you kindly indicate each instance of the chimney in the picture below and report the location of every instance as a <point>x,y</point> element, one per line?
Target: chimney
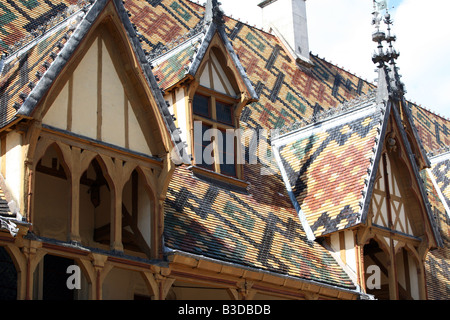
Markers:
<point>287,20</point>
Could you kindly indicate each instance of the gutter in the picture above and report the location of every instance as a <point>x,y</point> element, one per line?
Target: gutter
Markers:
<point>355,292</point>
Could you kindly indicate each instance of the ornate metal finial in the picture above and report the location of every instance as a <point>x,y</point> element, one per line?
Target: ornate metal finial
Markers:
<point>378,36</point>
<point>393,56</point>
<point>390,55</point>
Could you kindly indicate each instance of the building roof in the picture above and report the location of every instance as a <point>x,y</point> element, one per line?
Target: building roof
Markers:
<point>29,71</point>
<point>256,226</point>
<point>328,164</point>
<point>436,264</point>
<point>240,227</point>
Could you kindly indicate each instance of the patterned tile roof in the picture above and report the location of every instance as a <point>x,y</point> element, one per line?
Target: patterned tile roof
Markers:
<point>172,69</point>
<point>7,218</point>
<point>23,70</point>
<point>328,166</point>
<point>258,227</point>
<point>441,173</point>
<point>437,263</point>
<point>240,227</point>
<point>434,130</point>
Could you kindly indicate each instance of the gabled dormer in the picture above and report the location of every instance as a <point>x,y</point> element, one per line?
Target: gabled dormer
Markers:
<point>353,175</point>
<point>206,88</point>
<point>85,116</point>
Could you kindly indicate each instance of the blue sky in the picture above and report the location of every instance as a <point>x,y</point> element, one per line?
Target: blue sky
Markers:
<point>340,31</point>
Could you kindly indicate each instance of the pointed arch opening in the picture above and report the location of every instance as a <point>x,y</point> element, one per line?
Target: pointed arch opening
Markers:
<point>95,205</point>
<point>8,278</point>
<point>408,274</point>
<point>52,195</point>
<point>376,265</point>
<point>137,214</point>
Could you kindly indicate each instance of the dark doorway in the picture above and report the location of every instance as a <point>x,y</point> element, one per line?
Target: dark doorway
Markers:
<point>8,277</point>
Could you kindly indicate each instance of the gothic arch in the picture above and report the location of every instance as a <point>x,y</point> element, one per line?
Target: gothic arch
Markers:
<point>52,191</point>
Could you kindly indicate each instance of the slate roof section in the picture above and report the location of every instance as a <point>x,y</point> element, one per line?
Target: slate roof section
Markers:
<point>328,165</point>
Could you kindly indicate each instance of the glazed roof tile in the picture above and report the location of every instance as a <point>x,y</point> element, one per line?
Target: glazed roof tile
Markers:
<point>208,220</point>
<point>173,67</point>
<point>441,173</point>
<point>24,69</point>
<point>434,130</point>
<point>260,227</point>
<point>437,264</point>
<point>327,166</point>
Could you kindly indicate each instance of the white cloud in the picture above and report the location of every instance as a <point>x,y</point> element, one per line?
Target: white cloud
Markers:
<point>340,31</point>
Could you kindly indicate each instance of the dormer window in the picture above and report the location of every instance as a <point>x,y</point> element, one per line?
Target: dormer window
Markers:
<point>215,149</point>
<point>207,103</point>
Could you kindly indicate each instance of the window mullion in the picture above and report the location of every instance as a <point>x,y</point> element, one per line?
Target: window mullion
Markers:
<point>216,151</point>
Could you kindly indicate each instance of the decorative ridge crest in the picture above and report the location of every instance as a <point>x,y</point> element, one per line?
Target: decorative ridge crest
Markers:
<point>200,28</point>
<point>326,114</point>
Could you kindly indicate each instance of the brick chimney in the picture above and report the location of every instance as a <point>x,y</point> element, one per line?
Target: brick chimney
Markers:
<point>287,20</point>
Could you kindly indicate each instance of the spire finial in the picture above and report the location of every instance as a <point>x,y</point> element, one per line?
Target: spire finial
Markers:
<point>390,55</point>
<point>213,12</point>
<point>378,36</point>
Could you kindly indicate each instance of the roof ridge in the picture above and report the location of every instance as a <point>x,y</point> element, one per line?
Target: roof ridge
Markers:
<point>343,68</point>
<point>177,42</point>
<point>439,151</point>
<point>429,110</point>
<point>325,115</point>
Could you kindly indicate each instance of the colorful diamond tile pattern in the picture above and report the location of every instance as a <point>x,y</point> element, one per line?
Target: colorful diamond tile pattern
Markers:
<point>215,221</point>
<point>441,172</point>
<point>23,69</point>
<point>259,227</point>
<point>18,18</point>
<point>328,171</point>
<point>172,70</point>
<point>437,263</point>
<point>434,130</point>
